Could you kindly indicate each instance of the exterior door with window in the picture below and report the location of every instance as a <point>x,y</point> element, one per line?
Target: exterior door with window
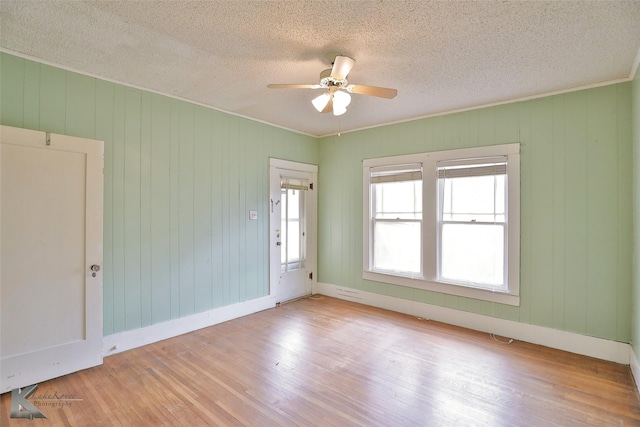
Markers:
<point>50,254</point>
<point>292,211</point>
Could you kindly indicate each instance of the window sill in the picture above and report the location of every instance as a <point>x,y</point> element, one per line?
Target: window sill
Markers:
<point>445,288</point>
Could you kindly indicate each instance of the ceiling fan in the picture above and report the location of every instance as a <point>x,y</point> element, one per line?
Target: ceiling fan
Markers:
<point>337,97</point>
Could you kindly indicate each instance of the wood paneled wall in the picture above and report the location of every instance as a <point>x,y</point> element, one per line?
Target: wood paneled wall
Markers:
<point>635,337</point>
<point>576,205</point>
<point>180,180</point>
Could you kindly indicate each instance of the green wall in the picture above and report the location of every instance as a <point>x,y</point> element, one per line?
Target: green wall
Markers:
<point>179,182</point>
<point>635,338</point>
<point>576,210</point>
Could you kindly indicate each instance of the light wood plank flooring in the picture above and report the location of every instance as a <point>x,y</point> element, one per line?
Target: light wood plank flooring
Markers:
<point>328,362</point>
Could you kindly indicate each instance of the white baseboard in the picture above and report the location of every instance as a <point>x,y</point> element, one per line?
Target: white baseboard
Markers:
<point>127,340</point>
<point>568,341</point>
<point>635,368</point>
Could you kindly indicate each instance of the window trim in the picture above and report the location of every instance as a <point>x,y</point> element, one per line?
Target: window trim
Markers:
<point>429,281</point>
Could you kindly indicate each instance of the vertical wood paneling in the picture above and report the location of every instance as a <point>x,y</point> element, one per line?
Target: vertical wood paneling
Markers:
<point>118,208</point>
<point>161,212</point>
<point>575,167</point>
<point>217,211</point>
<point>602,158</point>
<point>234,213</point>
<point>12,85</point>
<point>132,212</point>
<point>242,217</point>
<point>355,264</point>
<point>541,208</point>
<point>174,191</point>
<point>52,99</point>
<point>179,181</point>
<point>104,131</point>
<point>576,212</point>
<point>559,297</point>
<point>160,203</point>
<point>524,121</point>
<point>31,118</point>
<point>338,222</point>
<point>225,201</point>
<point>80,105</point>
<point>202,209</point>
<point>251,238</point>
<point>146,316</point>
<point>625,208</point>
<point>186,214</point>
<point>635,199</point>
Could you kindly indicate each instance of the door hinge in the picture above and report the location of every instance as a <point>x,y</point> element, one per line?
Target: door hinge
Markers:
<point>311,186</point>
<point>311,276</point>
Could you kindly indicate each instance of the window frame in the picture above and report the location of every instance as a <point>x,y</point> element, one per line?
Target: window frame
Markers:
<point>510,295</point>
<point>411,171</point>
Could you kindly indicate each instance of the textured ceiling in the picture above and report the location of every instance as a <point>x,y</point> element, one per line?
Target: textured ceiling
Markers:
<point>441,56</point>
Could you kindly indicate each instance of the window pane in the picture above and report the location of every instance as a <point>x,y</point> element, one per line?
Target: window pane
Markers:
<point>478,198</point>
<point>293,240</point>
<point>398,200</point>
<point>473,253</point>
<point>397,246</point>
<point>294,203</point>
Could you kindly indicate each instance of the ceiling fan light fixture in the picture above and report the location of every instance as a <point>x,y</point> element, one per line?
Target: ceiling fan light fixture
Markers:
<point>341,98</point>
<point>321,101</point>
<point>339,110</point>
<point>340,102</point>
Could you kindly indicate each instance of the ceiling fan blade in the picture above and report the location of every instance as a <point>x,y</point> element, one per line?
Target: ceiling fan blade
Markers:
<point>293,86</point>
<point>382,92</point>
<point>342,65</point>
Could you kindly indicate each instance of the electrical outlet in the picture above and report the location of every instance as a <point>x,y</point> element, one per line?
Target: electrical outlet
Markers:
<point>253,214</point>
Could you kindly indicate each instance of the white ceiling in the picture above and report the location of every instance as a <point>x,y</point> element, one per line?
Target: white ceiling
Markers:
<point>441,55</point>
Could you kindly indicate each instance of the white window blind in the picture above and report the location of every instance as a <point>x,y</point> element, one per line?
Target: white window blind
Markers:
<point>287,183</point>
<point>396,173</point>
<point>472,167</point>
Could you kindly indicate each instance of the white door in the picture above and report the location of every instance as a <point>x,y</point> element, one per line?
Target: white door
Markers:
<point>50,237</point>
<point>293,229</point>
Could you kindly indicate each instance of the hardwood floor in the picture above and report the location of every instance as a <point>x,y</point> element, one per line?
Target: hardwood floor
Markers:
<point>329,362</point>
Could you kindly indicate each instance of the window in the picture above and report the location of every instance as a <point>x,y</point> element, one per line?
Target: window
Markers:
<point>293,228</point>
<point>445,221</point>
<point>396,219</point>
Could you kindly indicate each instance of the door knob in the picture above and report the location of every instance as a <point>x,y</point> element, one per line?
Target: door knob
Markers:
<point>94,268</point>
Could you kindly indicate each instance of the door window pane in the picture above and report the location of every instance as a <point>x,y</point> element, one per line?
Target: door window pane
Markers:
<point>292,230</point>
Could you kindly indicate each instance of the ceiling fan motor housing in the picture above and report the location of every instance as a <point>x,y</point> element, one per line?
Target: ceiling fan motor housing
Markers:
<point>327,81</point>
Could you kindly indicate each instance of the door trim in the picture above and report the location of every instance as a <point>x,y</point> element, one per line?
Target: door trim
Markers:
<point>312,224</point>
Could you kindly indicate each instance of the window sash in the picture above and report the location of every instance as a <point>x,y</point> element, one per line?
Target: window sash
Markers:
<point>385,175</point>
<point>474,283</point>
<point>470,168</point>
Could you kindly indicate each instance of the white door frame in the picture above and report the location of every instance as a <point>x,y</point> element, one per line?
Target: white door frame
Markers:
<point>40,364</point>
<point>276,168</point>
